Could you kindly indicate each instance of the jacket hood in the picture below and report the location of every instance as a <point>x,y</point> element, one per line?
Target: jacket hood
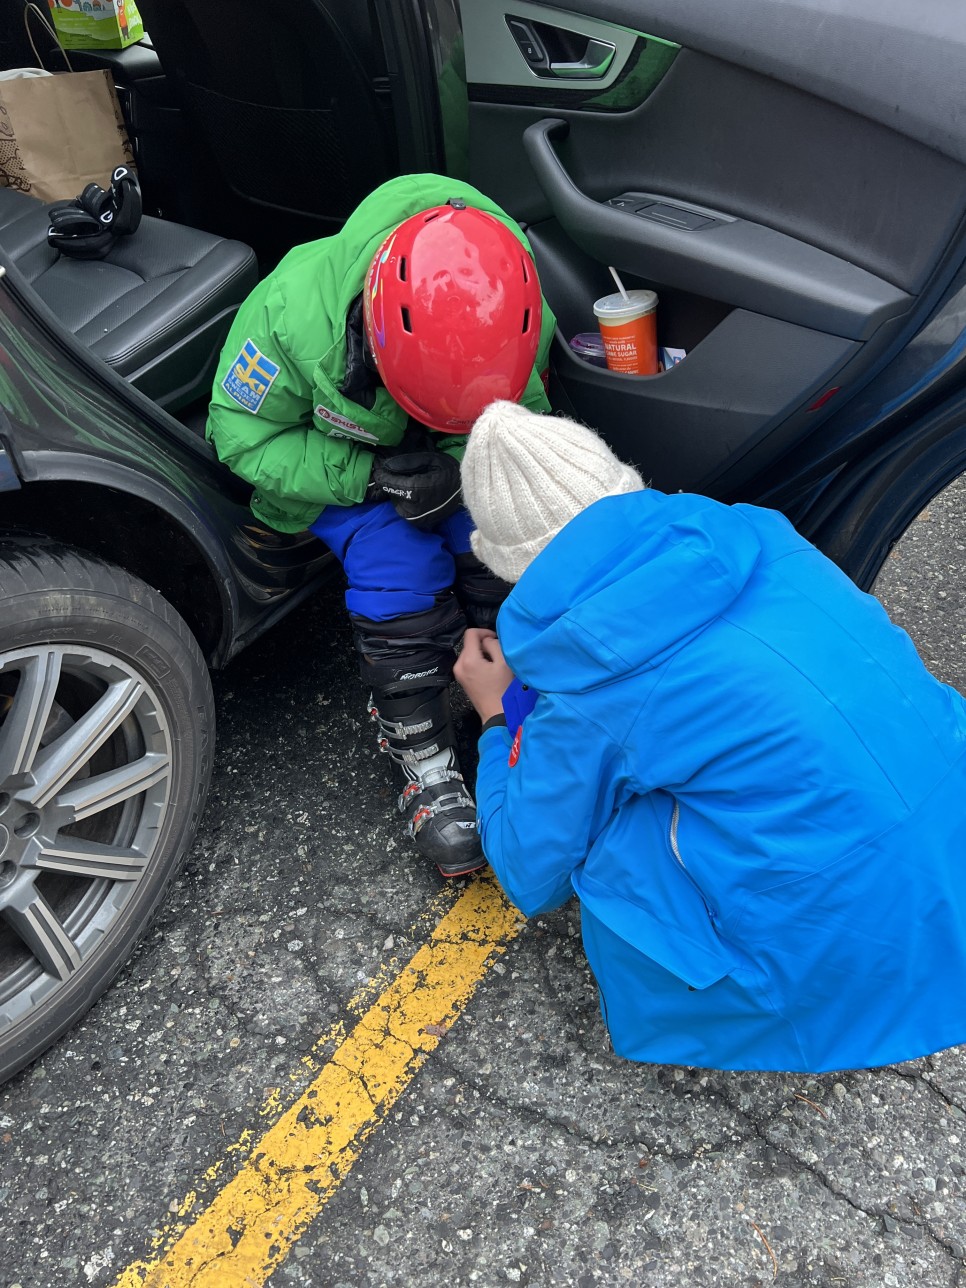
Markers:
<point>623,585</point>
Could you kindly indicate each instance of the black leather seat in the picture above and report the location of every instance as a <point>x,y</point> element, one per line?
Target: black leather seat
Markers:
<point>288,105</point>
<point>157,308</point>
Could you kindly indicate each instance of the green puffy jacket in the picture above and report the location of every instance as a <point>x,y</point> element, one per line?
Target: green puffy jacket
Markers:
<point>277,416</point>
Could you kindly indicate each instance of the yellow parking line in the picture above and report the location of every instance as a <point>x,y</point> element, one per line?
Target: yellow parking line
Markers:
<point>249,1227</point>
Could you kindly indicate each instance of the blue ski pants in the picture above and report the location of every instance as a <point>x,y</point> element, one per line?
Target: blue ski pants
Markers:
<point>393,568</point>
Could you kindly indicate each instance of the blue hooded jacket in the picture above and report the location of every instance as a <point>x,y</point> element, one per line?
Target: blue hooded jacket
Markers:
<point>751,781</point>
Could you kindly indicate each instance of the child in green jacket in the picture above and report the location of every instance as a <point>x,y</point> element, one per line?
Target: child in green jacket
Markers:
<point>344,394</point>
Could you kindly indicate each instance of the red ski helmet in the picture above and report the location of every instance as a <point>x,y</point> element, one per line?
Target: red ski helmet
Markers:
<point>452,311</point>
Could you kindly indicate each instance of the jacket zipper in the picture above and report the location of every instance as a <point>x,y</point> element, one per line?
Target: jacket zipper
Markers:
<point>673,837</point>
<point>676,851</point>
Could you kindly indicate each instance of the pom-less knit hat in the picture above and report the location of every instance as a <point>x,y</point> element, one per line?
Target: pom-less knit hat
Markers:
<point>526,475</point>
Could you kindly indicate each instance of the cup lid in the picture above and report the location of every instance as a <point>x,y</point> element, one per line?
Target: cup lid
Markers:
<point>587,342</point>
<point>638,303</point>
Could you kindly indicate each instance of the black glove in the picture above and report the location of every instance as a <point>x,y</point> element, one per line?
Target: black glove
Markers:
<point>423,486</point>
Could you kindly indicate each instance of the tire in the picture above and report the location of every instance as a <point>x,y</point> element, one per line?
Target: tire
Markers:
<point>106,741</point>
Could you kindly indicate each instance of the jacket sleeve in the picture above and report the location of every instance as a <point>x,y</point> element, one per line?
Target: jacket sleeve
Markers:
<point>540,816</point>
<point>277,448</point>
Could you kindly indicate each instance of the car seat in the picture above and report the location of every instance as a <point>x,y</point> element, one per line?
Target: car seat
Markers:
<point>290,104</point>
<point>156,308</point>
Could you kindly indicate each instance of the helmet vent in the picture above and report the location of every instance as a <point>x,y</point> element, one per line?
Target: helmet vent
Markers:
<point>526,321</point>
<point>407,323</point>
<point>402,268</point>
<point>526,273</point>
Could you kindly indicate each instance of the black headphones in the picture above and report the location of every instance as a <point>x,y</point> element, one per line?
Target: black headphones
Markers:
<point>126,195</point>
<point>85,228</point>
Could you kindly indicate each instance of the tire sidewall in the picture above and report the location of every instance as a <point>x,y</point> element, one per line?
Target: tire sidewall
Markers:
<point>169,661</point>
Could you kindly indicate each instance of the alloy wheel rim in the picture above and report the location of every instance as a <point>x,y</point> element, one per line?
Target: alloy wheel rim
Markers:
<point>85,784</point>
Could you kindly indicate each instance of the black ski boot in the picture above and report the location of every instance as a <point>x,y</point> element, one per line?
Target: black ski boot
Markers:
<point>416,731</point>
<point>407,663</point>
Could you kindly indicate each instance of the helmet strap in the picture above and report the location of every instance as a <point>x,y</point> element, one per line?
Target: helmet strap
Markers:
<point>369,358</point>
<point>361,379</point>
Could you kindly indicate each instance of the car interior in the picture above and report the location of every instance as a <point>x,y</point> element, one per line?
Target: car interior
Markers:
<point>155,308</point>
<point>225,182</point>
<point>797,212</point>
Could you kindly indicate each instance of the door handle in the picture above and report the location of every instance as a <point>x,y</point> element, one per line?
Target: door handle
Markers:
<point>542,47</point>
<point>592,65</point>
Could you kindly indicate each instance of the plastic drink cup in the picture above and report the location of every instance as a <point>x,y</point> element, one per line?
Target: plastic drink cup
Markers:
<point>590,347</point>
<point>628,328</point>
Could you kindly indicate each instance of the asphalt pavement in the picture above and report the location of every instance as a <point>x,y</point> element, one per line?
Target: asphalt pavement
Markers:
<point>516,1149</point>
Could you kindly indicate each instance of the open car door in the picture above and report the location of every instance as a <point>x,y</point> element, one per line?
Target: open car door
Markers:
<point>788,176</point>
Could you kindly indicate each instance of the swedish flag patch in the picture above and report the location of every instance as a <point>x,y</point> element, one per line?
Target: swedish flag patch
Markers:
<point>250,377</point>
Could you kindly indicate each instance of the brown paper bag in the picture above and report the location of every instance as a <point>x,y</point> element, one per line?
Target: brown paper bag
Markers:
<point>59,133</point>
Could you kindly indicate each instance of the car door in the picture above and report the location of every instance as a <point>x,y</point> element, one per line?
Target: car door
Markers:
<point>787,175</point>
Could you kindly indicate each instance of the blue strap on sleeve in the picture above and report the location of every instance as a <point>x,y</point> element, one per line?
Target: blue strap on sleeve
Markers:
<point>518,701</point>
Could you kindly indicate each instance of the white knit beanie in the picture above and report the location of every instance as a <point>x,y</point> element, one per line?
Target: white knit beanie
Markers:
<point>526,475</point>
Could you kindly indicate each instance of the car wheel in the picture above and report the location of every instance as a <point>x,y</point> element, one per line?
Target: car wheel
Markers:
<point>106,737</point>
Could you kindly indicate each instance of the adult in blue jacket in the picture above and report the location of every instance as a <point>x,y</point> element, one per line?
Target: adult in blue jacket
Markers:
<point>737,762</point>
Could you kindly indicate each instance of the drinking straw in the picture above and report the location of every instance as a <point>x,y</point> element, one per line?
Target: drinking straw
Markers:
<point>620,284</point>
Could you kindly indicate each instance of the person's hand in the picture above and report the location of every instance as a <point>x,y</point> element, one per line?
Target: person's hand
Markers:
<point>423,486</point>
<point>482,672</point>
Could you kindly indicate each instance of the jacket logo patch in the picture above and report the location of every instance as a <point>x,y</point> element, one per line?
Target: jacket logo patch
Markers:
<point>342,427</point>
<point>515,749</point>
<point>250,377</point>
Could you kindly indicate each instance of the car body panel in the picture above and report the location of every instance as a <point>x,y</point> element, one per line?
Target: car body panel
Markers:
<point>67,417</point>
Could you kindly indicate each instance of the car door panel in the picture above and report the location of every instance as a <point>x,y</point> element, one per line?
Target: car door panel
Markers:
<point>793,240</point>
<point>888,61</point>
<point>719,135</point>
<point>727,258</point>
